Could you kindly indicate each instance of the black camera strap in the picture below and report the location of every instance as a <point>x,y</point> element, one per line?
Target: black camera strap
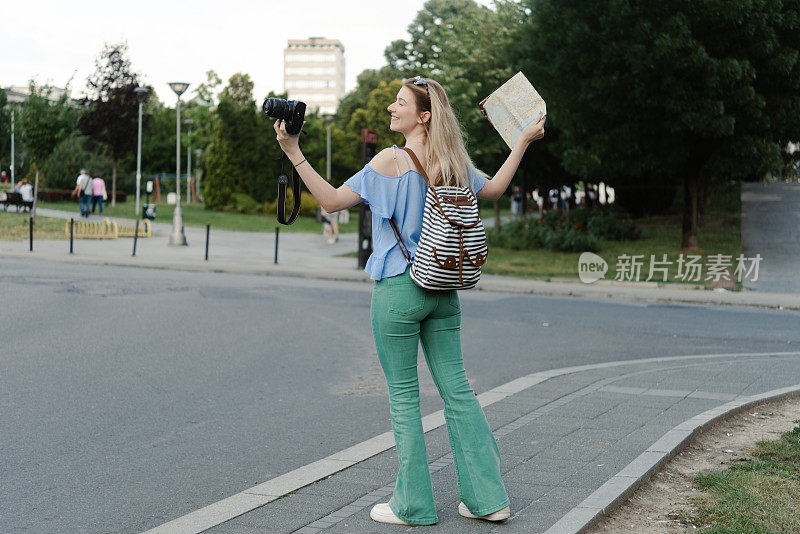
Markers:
<point>283,181</point>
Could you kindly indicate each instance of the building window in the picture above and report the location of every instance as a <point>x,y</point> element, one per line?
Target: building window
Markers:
<point>301,71</point>
<point>310,58</point>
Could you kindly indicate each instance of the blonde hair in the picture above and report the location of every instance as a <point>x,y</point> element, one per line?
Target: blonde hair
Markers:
<point>446,153</point>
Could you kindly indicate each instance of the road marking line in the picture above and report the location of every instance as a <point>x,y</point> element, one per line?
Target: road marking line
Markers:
<point>266,492</point>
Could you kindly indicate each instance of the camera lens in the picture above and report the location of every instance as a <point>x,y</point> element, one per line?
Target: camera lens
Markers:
<point>277,108</point>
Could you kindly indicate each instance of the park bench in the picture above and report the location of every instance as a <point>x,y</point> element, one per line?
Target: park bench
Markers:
<point>10,198</point>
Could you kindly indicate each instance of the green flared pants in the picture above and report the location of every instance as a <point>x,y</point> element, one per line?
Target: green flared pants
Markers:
<point>402,315</point>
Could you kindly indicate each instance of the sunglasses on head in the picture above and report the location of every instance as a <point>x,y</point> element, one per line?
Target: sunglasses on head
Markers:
<point>419,80</point>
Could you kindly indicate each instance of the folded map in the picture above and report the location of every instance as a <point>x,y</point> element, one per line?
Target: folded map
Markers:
<point>513,107</point>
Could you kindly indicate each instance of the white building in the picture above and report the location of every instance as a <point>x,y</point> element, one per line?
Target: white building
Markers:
<point>313,71</point>
<point>20,93</point>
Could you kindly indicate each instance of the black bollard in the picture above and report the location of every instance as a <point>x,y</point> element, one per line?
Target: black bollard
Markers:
<point>277,232</point>
<point>71,233</point>
<point>135,237</point>
<point>208,232</point>
<point>30,220</point>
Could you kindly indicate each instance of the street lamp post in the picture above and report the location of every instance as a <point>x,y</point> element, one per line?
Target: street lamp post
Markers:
<point>197,191</point>
<point>328,122</point>
<point>141,95</point>
<point>12,148</point>
<point>178,237</point>
<point>189,122</point>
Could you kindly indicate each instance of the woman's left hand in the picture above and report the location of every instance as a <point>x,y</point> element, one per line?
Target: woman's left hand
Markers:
<point>289,143</point>
<point>535,130</point>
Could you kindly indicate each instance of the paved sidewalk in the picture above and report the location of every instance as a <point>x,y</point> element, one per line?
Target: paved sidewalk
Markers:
<point>310,256</point>
<point>571,441</point>
<point>771,227</point>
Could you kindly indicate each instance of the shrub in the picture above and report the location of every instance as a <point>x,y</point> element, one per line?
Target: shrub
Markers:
<point>244,203</point>
<point>55,195</point>
<point>528,234</point>
<point>573,240</point>
<point>577,231</point>
<point>607,226</point>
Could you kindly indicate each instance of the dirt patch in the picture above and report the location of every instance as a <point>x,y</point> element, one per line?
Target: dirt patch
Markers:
<point>655,506</point>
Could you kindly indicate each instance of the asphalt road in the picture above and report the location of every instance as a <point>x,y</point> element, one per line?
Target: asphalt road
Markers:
<point>129,397</point>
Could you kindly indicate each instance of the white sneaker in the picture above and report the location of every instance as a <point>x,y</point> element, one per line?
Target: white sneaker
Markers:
<point>383,514</point>
<point>500,515</point>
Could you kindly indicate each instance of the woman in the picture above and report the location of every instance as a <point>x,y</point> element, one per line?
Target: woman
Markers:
<point>98,192</point>
<point>403,314</point>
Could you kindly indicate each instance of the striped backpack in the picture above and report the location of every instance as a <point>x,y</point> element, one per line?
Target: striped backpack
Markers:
<point>452,246</point>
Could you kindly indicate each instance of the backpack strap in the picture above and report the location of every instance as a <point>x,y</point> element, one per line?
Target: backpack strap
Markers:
<point>436,196</point>
<point>417,163</point>
<point>400,242</point>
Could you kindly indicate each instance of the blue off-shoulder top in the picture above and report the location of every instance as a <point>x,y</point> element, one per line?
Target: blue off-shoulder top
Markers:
<point>401,197</point>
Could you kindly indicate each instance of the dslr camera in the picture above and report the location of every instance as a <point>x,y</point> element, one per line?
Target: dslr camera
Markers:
<point>292,112</point>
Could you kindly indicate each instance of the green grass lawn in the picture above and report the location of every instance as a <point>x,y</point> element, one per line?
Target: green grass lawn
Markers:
<point>754,495</point>
<point>720,233</point>
<point>196,215</point>
<point>15,227</point>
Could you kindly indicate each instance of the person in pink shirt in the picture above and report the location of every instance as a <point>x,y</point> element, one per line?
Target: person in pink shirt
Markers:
<point>98,192</point>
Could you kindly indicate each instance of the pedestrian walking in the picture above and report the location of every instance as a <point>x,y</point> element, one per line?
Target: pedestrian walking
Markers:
<point>98,192</point>
<point>591,196</point>
<point>538,200</point>
<point>4,177</point>
<point>553,196</point>
<point>402,313</point>
<point>83,188</point>
<point>330,225</point>
<point>516,200</point>
<point>566,197</point>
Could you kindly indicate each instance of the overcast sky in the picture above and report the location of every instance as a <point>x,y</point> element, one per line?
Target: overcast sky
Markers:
<point>52,41</point>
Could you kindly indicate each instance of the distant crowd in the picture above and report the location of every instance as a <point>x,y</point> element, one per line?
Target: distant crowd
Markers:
<point>562,198</point>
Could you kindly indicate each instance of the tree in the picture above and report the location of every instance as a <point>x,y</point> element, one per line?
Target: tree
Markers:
<point>5,132</point>
<point>42,125</point>
<point>242,157</point>
<point>349,146</point>
<point>68,157</point>
<point>471,50</point>
<point>111,109</point>
<point>158,138</point>
<point>682,92</point>
<point>205,93</point>
<point>375,116</point>
<point>202,111</point>
<point>239,157</point>
<point>464,46</point>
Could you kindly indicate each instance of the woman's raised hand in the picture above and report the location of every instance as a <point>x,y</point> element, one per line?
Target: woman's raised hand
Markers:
<point>289,143</point>
<point>535,130</point>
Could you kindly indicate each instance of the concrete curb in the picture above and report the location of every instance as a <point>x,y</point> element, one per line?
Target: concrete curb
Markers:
<point>488,283</point>
<point>621,486</point>
<point>210,267</point>
<point>271,490</point>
